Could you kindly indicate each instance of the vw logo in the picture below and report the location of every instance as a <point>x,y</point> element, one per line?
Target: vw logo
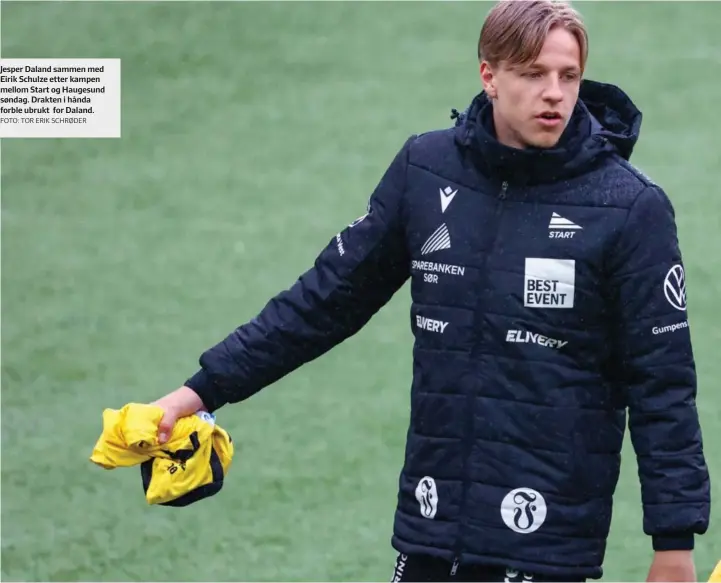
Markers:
<point>674,287</point>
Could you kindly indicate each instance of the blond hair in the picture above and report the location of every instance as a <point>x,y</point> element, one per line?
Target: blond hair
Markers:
<point>514,30</point>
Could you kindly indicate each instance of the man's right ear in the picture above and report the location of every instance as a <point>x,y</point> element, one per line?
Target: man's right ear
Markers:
<point>488,79</point>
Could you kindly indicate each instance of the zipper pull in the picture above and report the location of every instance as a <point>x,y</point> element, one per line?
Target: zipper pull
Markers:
<point>504,188</point>
<point>454,567</point>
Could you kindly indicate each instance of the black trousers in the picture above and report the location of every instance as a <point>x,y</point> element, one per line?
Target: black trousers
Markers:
<point>421,568</point>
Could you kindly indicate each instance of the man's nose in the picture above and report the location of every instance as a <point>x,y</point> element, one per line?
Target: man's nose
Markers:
<point>553,91</point>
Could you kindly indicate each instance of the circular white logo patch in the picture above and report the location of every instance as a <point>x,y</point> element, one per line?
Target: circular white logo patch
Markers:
<point>674,286</point>
<point>523,510</point>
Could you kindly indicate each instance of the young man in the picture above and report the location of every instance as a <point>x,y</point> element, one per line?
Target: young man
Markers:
<point>548,298</point>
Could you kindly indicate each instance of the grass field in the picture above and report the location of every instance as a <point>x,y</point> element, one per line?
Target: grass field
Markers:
<point>252,132</point>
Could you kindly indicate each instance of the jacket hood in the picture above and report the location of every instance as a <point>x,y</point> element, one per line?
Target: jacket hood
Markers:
<point>604,122</point>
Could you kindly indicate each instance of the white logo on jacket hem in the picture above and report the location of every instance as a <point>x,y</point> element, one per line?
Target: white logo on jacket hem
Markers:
<point>549,283</point>
<point>427,496</point>
<point>514,576</point>
<point>400,567</point>
<point>674,287</point>
<point>523,510</point>
<point>447,195</point>
<point>440,239</point>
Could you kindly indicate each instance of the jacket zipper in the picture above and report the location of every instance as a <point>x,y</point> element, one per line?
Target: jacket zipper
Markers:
<point>454,567</point>
<point>468,433</point>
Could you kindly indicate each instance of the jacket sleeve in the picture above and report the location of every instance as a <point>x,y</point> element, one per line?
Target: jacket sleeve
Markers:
<point>658,373</point>
<point>355,275</point>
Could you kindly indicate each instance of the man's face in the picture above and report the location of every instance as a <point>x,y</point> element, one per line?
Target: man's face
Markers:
<point>533,102</point>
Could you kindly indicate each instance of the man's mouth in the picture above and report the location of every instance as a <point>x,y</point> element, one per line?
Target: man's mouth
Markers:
<point>550,115</point>
<point>551,120</point>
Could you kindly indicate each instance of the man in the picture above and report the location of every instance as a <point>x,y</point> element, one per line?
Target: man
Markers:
<point>548,298</point>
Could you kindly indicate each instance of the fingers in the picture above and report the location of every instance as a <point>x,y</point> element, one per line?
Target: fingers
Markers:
<point>165,427</point>
<point>181,402</point>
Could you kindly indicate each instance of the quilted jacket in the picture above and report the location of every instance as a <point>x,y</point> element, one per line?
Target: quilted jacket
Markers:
<point>548,303</point>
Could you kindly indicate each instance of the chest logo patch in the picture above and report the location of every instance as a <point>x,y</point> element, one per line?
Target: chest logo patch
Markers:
<point>549,283</point>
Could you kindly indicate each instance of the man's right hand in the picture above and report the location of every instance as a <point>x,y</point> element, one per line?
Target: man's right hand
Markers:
<point>180,403</point>
<point>675,566</point>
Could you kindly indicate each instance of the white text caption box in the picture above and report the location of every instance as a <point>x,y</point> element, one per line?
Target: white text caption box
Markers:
<point>59,98</point>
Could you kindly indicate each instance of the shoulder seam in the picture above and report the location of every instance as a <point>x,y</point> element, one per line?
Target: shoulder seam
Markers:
<point>636,173</point>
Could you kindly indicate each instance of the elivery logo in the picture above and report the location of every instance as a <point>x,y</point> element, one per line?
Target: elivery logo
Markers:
<point>430,324</point>
<point>524,336</point>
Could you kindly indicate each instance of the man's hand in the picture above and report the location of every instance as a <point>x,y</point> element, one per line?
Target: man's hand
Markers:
<point>672,566</point>
<point>180,403</point>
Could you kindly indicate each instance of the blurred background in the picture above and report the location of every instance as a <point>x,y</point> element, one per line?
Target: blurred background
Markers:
<point>251,134</point>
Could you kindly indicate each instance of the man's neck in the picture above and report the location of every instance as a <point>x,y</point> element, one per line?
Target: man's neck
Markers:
<point>504,134</point>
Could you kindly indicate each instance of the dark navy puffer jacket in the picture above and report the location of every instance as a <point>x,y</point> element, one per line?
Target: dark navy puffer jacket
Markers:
<point>548,299</point>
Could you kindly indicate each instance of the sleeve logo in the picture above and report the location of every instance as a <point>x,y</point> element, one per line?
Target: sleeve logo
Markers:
<point>674,287</point>
<point>358,220</point>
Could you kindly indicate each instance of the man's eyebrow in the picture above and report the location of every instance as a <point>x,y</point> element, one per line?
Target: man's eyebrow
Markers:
<point>542,67</point>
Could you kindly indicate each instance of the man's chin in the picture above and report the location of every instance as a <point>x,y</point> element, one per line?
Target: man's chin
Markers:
<point>544,142</point>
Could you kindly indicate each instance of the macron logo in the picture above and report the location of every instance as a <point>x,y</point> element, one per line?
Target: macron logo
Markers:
<point>430,324</point>
<point>447,195</point>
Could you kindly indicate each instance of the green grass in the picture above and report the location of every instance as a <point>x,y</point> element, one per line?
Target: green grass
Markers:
<point>252,132</point>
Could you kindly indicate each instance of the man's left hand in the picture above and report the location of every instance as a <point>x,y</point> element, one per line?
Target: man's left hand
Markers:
<point>672,566</point>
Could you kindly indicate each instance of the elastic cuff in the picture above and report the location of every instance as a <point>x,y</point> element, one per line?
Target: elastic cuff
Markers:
<point>203,385</point>
<point>682,541</point>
